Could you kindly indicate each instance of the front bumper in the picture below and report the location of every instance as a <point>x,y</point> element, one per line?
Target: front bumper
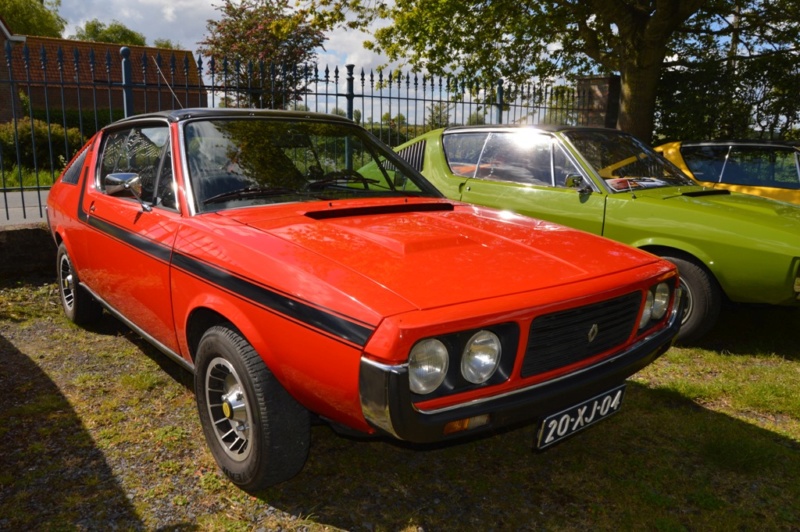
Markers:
<point>387,404</point>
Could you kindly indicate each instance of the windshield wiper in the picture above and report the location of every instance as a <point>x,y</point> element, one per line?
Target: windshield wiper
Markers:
<point>342,177</point>
<point>248,192</point>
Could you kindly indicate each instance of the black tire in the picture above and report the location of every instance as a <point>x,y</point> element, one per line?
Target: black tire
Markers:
<point>703,299</point>
<point>79,306</point>
<point>259,435</point>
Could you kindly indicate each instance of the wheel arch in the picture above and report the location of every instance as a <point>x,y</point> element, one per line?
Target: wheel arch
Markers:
<point>208,314</point>
<point>200,320</point>
<point>697,259</point>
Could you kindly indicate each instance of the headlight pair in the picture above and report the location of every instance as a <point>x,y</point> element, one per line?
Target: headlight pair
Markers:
<point>429,361</point>
<point>656,304</point>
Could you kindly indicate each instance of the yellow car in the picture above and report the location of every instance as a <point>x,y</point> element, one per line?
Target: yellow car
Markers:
<point>763,168</point>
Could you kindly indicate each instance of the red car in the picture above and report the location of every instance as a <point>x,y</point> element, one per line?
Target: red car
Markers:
<point>299,268</point>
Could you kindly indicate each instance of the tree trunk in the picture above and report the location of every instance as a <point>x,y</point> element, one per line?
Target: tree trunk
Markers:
<point>637,101</point>
<point>644,29</point>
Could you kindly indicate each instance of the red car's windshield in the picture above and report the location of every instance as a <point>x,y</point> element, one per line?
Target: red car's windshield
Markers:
<point>239,162</point>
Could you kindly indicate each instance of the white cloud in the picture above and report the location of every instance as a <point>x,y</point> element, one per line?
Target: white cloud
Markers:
<point>184,22</point>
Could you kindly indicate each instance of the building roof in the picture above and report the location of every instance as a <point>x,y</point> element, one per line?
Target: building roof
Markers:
<point>55,60</point>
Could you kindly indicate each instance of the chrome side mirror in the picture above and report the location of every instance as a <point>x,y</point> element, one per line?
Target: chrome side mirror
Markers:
<point>124,184</point>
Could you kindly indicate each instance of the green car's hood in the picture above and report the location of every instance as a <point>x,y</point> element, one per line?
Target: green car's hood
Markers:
<point>725,204</point>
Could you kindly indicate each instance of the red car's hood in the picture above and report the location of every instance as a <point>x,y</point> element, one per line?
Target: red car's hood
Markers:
<point>433,253</point>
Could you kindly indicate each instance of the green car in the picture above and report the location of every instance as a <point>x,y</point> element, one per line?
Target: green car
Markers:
<point>726,245</point>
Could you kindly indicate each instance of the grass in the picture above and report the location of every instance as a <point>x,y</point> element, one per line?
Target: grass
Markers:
<point>13,175</point>
<point>101,431</point>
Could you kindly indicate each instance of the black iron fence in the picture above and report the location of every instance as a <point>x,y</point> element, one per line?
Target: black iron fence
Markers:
<point>52,100</point>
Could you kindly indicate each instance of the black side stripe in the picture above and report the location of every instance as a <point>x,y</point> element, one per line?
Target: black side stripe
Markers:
<point>146,245</point>
<point>317,318</point>
<point>332,324</point>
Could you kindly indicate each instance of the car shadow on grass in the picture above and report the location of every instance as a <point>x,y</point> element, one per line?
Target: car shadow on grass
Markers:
<point>663,462</point>
<point>52,476</point>
<point>748,329</point>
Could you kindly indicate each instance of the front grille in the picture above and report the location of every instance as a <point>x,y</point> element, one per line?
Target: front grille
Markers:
<point>563,338</point>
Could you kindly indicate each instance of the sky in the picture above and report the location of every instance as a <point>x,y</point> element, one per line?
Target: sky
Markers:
<point>184,22</point>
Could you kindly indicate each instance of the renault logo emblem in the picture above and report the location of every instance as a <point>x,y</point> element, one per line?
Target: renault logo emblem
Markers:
<point>593,332</point>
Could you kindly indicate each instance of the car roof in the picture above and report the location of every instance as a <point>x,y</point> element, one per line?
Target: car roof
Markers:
<point>541,127</point>
<point>177,115</point>
<point>743,142</point>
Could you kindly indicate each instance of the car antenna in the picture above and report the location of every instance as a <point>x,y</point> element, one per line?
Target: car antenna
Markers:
<point>175,96</point>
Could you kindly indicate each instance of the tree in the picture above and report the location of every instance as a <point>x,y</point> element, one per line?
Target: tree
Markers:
<point>396,121</point>
<point>116,33</point>
<point>439,115</point>
<point>26,17</point>
<point>167,44</point>
<point>253,35</point>
<point>477,118</point>
<point>710,100</point>
<point>518,40</point>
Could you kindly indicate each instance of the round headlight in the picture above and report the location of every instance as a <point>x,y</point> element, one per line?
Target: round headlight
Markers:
<point>481,357</point>
<point>647,313</point>
<point>661,301</point>
<point>427,366</point>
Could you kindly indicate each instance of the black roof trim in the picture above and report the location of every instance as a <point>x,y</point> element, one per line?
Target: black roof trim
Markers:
<point>741,142</point>
<point>549,128</point>
<point>177,115</point>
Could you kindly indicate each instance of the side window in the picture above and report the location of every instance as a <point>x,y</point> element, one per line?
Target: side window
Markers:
<point>761,166</point>
<point>166,188</point>
<point>563,166</point>
<point>521,157</point>
<point>463,152</point>
<point>73,173</point>
<point>705,162</point>
<point>138,150</point>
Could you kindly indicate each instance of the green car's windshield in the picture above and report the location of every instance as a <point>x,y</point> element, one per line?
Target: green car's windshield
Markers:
<point>251,161</point>
<point>624,162</point>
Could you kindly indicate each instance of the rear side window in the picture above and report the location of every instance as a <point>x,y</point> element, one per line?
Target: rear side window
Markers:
<point>705,162</point>
<point>73,173</point>
<point>771,166</point>
<point>463,152</point>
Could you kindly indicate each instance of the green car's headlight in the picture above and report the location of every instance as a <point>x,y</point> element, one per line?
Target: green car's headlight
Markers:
<point>480,357</point>
<point>427,366</point>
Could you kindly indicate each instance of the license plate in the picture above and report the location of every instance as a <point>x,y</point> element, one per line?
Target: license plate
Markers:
<point>575,418</point>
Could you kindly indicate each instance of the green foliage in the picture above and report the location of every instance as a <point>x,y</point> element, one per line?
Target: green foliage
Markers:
<point>477,118</point>
<point>116,32</point>
<point>34,144</point>
<point>743,86</point>
<point>565,38</point>
<point>395,121</point>
<point>389,135</point>
<point>255,32</point>
<point>28,17</point>
<point>167,43</point>
<point>438,115</point>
